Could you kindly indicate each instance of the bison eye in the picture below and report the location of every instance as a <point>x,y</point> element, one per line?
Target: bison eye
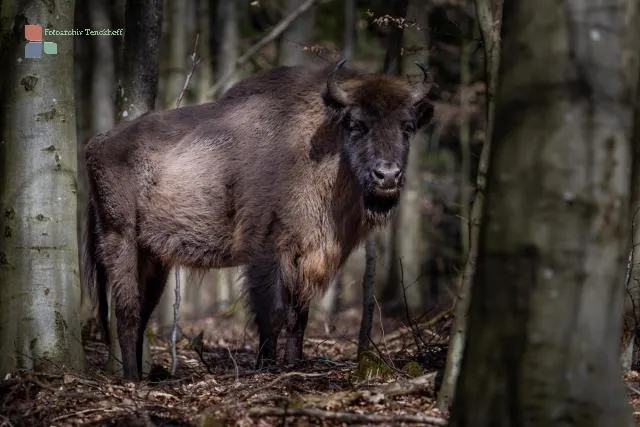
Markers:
<point>357,126</point>
<point>408,127</point>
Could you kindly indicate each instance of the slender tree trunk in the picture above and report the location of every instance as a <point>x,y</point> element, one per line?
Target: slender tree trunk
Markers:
<point>631,327</point>
<point>83,81</point>
<point>177,55</point>
<point>39,284</point>
<point>393,55</point>
<point>350,29</point>
<point>545,315</point>
<point>298,35</point>
<point>229,41</point>
<point>138,88</point>
<point>138,85</point>
<point>103,73</point>
<point>331,302</point>
<point>181,23</point>
<point>204,72</point>
<point>394,44</point>
<point>367,295</point>
<point>401,242</point>
<point>489,14</point>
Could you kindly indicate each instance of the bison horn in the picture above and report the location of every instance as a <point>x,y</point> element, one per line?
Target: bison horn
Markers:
<point>334,91</point>
<point>426,86</point>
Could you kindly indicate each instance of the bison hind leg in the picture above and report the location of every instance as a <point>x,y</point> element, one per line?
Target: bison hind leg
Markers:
<point>268,303</point>
<point>152,274</point>
<point>120,264</point>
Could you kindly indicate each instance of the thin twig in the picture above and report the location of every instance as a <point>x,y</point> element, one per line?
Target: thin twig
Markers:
<point>235,365</point>
<point>176,320</point>
<point>383,338</point>
<point>633,389</point>
<point>282,378</point>
<point>347,417</point>
<point>195,59</point>
<point>277,30</point>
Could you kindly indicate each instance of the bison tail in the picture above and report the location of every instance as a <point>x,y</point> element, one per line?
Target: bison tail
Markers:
<point>93,275</point>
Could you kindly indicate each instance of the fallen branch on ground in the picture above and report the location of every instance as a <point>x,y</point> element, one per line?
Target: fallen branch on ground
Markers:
<point>347,417</point>
<point>280,379</point>
<point>420,384</point>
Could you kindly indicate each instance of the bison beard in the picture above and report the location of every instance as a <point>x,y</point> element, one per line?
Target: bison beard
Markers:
<point>285,175</point>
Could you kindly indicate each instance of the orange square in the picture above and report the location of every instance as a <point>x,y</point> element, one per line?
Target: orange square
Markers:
<point>33,33</point>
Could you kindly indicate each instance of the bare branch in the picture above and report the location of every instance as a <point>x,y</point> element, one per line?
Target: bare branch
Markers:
<point>195,59</point>
<point>277,30</point>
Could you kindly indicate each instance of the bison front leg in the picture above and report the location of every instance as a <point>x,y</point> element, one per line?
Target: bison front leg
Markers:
<point>297,317</point>
<point>267,300</point>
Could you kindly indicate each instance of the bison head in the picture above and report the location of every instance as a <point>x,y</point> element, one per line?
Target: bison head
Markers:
<point>378,114</point>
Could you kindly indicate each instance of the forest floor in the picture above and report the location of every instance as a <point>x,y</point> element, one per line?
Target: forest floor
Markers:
<point>216,383</point>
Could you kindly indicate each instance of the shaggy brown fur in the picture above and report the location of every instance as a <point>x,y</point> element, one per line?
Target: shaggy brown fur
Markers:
<point>285,174</point>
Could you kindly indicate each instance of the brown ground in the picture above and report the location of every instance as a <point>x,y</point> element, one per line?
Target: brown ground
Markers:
<point>216,384</point>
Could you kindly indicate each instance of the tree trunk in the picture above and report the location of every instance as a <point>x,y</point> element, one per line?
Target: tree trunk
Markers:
<point>138,87</point>
<point>204,71</point>
<point>331,302</point>
<point>229,42</point>
<point>489,14</point>
<point>83,81</point>
<point>39,282</point>
<point>177,55</point>
<point>139,80</point>
<point>394,44</point>
<point>298,35</point>
<point>406,242</point>
<point>103,72</point>
<point>393,55</point>
<point>546,307</point>
<point>631,327</point>
<point>367,295</point>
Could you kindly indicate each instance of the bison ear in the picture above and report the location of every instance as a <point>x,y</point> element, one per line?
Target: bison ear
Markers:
<point>333,93</point>
<point>424,112</point>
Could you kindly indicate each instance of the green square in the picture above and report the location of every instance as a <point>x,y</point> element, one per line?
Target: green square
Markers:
<point>50,48</point>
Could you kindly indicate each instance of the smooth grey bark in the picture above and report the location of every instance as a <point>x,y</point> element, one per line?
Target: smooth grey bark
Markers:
<point>542,347</point>
<point>177,54</point>
<point>103,69</point>
<point>631,326</point>
<point>229,43</point>
<point>298,35</point>
<point>138,88</point>
<point>204,72</point>
<point>82,79</point>
<point>350,29</point>
<point>39,281</point>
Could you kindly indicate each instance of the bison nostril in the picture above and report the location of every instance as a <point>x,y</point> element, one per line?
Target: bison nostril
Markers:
<point>378,174</point>
<point>386,174</point>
